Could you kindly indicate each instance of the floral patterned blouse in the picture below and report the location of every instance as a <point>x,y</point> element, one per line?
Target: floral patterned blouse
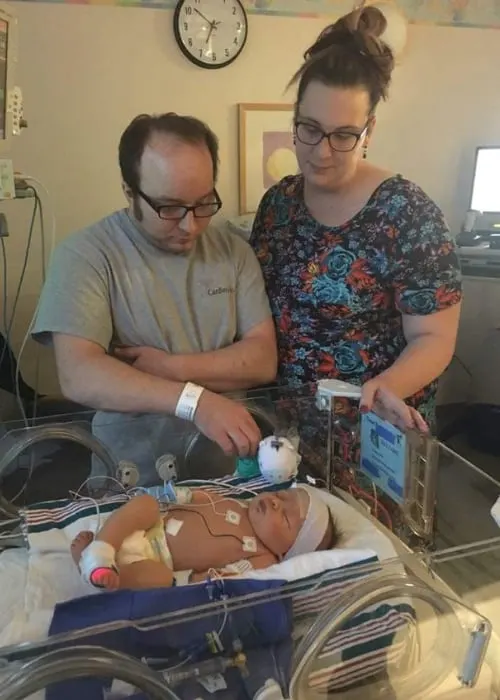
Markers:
<point>338,293</point>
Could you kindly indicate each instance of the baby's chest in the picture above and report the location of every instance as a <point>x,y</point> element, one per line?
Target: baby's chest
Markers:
<point>202,539</point>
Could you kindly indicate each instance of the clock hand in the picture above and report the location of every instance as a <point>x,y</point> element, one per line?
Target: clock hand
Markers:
<point>203,16</point>
<point>213,25</point>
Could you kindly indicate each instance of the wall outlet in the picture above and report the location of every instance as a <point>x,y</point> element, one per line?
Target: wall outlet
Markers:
<point>4,226</point>
<point>23,189</point>
<point>7,186</point>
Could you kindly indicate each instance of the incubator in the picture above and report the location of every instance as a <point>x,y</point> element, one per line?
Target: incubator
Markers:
<point>407,606</point>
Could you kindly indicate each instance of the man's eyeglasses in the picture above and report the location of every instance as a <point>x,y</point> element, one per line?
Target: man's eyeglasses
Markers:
<point>176,212</point>
<point>312,135</point>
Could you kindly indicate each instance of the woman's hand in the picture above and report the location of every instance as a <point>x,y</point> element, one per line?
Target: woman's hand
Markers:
<point>377,398</point>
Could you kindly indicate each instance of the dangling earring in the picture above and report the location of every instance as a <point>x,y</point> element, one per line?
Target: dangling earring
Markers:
<point>365,151</point>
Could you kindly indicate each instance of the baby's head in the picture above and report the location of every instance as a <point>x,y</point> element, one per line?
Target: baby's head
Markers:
<point>292,522</point>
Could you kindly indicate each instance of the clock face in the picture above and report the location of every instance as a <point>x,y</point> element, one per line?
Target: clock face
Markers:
<point>211,33</point>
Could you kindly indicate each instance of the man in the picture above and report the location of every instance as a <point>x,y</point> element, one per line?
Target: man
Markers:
<point>151,311</point>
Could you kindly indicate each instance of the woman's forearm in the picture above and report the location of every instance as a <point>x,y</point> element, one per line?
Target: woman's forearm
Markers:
<point>424,359</point>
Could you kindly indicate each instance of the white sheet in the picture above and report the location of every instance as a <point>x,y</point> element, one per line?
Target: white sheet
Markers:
<point>33,583</point>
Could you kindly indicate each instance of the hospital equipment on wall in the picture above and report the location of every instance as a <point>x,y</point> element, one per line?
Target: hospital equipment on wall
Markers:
<point>445,565</point>
<point>16,186</point>
<point>12,119</point>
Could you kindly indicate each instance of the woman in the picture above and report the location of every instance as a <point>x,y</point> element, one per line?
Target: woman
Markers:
<point>360,268</point>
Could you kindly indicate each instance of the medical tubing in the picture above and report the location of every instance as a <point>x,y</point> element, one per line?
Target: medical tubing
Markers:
<point>59,431</point>
<point>54,431</point>
<point>356,599</point>
<point>83,662</point>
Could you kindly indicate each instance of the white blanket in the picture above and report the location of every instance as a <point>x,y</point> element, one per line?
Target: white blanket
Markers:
<point>32,585</point>
<point>52,529</point>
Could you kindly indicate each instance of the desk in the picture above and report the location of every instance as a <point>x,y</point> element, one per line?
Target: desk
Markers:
<point>478,342</point>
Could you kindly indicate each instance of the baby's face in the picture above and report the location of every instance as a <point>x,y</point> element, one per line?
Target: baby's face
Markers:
<point>277,518</point>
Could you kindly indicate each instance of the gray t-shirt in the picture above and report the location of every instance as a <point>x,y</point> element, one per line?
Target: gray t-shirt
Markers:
<point>110,285</point>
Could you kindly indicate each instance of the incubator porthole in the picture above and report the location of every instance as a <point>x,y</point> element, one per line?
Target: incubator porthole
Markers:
<point>426,647</point>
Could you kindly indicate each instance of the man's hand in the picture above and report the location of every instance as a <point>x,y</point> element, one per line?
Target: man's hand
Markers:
<point>377,398</point>
<point>228,423</point>
<point>152,361</point>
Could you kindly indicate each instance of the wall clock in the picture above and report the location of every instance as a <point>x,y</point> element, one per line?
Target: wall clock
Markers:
<point>210,33</point>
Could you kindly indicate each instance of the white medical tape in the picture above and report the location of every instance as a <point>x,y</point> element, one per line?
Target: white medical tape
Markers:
<point>97,555</point>
<point>173,526</point>
<point>183,495</point>
<point>313,528</point>
<point>188,401</point>
<point>242,566</point>
<point>182,577</point>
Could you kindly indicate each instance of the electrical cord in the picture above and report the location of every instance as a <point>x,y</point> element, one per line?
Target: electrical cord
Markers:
<point>5,287</point>
<point>37,208</point>
<point>22,276</point>
<point>44,275</point>
<point>40,185</point>
<point>8,324</point>
<point>29,178</point>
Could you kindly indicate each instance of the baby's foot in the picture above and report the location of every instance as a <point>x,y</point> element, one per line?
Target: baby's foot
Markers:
<point>105,578</point>
<point>81,542</point>
<point>102,576</point>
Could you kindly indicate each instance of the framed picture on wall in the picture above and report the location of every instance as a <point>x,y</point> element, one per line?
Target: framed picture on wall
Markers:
<point>266,152</point>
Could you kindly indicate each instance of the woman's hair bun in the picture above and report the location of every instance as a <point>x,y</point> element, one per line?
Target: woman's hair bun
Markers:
<point>351,52</point>
<point>361,31</point>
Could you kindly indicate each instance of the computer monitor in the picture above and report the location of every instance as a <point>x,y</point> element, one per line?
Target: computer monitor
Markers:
<point>8,58</point>
<point>486,183</point>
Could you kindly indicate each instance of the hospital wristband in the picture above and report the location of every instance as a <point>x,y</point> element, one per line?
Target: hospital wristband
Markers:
<point>188,401</point>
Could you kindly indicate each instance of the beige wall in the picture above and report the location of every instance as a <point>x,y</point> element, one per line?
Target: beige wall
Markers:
<point>85,71</point>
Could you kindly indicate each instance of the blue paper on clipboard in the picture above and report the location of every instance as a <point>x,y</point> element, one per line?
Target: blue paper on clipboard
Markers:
<point>383,455</point>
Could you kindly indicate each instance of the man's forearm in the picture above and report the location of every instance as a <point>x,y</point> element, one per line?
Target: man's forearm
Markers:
<point>423,360</point>
<point>105,383</point>
<point>243,365</point>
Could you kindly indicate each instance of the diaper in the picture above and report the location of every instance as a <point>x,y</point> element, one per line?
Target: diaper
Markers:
<point>145,545</point>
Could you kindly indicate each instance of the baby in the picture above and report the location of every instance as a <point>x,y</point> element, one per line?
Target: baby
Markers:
<point>139,547</point>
